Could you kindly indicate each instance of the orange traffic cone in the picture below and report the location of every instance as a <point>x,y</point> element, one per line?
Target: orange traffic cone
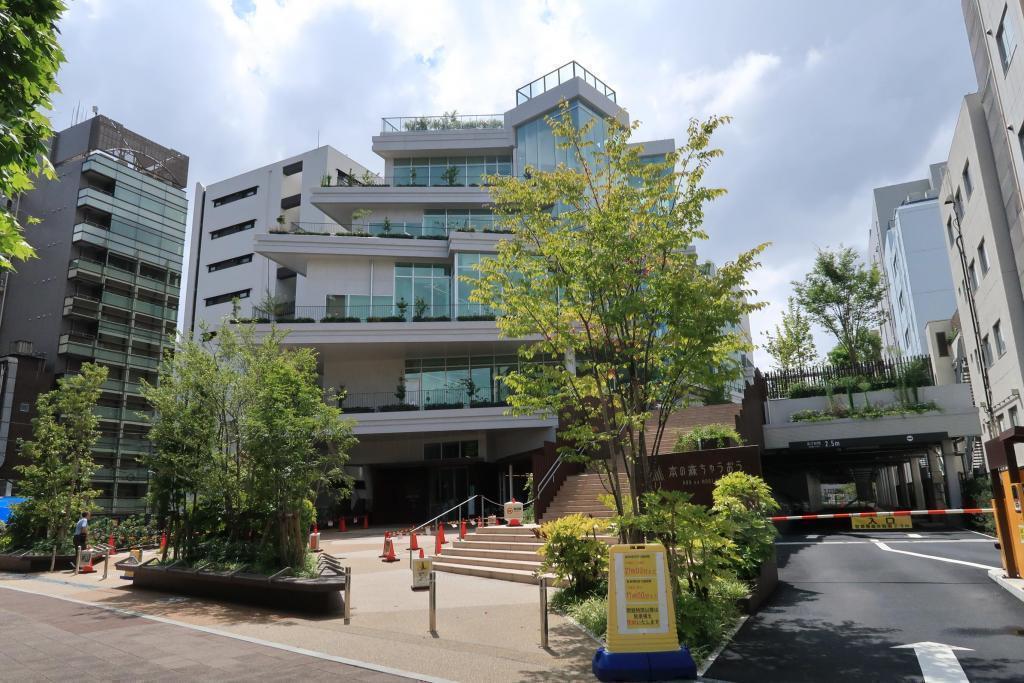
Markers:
<point>421,553</point>
<point>462,531</point>
<point>110,543</point>
<point>413,543</point>
<point>163,541</point>
<point>440,535</point>
<point>438,541</point>
<point>387,538</point>
<point>390,555</point>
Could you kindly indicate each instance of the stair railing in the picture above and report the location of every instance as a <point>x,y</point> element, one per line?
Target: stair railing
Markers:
<point>459,507</point>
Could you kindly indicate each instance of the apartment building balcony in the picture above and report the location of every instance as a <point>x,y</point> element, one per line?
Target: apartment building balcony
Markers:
<point>130,475</point>
<point>98,272</point>
<point>293,245</point>
<point>436,410</point>
<point>452,132</point>
<point>121,414</point>
<point>90,348</point>
<point>339,202</point>
<point>380,324</point>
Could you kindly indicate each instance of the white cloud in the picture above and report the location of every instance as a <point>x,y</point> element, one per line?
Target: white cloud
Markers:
<point>813,58</point>
<point>720,92</point>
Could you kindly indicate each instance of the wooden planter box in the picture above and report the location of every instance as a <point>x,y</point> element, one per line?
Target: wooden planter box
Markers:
<point>19,562</point>
<point>318,596</point>
<point>764,586</point>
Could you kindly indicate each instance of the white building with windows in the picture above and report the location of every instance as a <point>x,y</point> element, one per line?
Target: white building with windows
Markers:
<point>366,269</point>
<point>907,246</point>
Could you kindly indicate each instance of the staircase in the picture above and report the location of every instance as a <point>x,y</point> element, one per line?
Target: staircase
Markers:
<point>581,493</point>
<point>508,553</point>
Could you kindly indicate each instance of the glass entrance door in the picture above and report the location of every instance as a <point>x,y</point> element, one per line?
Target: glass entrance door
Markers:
<point>449,486</point>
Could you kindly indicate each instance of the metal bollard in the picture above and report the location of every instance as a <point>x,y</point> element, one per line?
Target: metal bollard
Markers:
<point>78,559</point>
<point>348,595</point>
<point>106,560</point>
<point>433,602</point>
<point>544,612</point>
<point>53,559</point>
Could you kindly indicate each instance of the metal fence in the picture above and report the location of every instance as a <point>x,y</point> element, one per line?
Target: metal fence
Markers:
<point>370,313</point>
<point>816,380</point>
<point>426,399</point>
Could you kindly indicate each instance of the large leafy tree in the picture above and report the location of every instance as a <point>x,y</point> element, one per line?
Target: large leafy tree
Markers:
<point>869,350</point>
<point>244,439</point>
<point>792,344</point>
<point>57,479</point>
<point>844,296</point>
<point>29,59</point>
<point>600,274</point>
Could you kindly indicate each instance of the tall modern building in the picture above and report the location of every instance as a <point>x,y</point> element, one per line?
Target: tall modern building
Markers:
<point>906,244</point>
<point>104,289</point>
<point>981,214</point>
<point>367,272</point>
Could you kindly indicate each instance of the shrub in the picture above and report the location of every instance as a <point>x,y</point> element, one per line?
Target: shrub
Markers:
<point>468,318</point>
<point>130,532</point>
<point>572,552</point>
<point>747,502</point>
<point>979,491</point>
<point>442,406</point>
<point>339,319</point>
<point>804,390</point>
<point>396,407</point>
<point>708,436</point>
<point>431,318</point>
<point>385,319</point>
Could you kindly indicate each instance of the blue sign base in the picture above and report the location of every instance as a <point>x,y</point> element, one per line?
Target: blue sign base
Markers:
<point>644,666</point>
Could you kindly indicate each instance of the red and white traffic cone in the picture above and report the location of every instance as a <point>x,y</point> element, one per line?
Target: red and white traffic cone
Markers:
<point>413,543</point>
<point>387,538</point>
<point>421,553</point>
<point>438,542</point>
<point>389,556</point>
<point>440,535</point>
<point>462,530</point>
<point>88,569</point>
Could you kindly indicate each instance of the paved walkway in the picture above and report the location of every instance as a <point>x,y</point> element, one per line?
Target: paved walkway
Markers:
<point>486,629</point>
<point>44,638</point>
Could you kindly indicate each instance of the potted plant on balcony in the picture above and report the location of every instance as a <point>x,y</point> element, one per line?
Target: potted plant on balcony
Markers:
<point>451,175</point>
<point>420,310</point>
<point>400,393</point>
<point>402,306</point>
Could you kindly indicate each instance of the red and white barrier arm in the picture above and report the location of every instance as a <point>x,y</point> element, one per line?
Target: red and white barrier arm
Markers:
<point>893,513</point>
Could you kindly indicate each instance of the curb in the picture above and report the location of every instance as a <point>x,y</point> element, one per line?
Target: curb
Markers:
<point>1014,586</point>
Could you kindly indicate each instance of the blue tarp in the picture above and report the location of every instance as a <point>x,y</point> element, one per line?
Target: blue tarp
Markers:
<point>6,503</point>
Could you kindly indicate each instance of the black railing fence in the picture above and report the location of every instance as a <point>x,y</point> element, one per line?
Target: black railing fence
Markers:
<point>378,313</point>
<point>817,380</point>
<point>426,399</point>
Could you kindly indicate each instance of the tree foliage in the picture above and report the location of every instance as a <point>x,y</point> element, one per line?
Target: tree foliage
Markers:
<point>868,350</point>
<point>792,344</point>
<point>844,296</point>
<point>601,272</point>
<point>244,438</point>
<point>57,479</point>
<point>29,60</point>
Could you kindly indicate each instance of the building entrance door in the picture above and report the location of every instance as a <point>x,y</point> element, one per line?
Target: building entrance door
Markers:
<point>449,486</point>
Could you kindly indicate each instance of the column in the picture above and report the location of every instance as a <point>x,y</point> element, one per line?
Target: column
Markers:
<point>954,473</point>
<point>915,475</point>
<point>936,470</point>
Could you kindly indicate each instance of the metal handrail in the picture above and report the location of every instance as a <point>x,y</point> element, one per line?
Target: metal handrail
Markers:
<point>549,475</point>
<point>434,519</point>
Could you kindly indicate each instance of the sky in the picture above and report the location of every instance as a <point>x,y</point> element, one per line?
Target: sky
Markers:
<point>829,98</point>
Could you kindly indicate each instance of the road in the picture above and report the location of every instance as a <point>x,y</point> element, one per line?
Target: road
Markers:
<point>844,603</point>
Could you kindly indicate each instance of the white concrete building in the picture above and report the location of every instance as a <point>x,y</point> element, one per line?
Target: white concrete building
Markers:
<point>366,270</point>
<point>981,212</point>
<point>906,243</point>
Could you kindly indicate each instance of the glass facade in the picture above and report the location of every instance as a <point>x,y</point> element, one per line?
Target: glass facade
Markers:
<point>466,266</point>
<point>458,171</point>
<point>536,145</point>
<point>424,287</point>
<point>462,379</point>
<point>459,219</point>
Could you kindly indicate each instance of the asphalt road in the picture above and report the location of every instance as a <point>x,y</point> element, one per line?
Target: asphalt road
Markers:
<point>844,603</point>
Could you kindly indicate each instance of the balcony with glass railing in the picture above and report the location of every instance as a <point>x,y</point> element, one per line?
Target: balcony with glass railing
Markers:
<point>393,229</point>
<point>448,121</point>
<point>426,399</point>
<point>376,313</point>
<point>561,75</point>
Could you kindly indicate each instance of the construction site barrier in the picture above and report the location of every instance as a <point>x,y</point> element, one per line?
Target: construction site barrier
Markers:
<point>892,513</point>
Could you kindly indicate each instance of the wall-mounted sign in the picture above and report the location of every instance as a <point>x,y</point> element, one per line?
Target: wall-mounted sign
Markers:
<point>696,472</point>
<point>868,441</point>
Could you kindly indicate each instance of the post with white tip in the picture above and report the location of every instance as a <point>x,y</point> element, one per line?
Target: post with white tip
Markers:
<point>544,612</point>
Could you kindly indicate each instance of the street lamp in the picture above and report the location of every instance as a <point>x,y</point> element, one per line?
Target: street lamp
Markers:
<point>969,295</point>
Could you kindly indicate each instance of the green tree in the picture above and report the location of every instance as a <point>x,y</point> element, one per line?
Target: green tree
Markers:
<point>844,296</point>
<point>244,438</point>
<point>868,350</point>
<point>29,60</point>
<point>792,344</point>
<point>57,479</point>
<point>601,271</point>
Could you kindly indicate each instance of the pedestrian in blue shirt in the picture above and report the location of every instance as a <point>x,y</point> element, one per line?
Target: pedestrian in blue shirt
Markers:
<point>81,531</point>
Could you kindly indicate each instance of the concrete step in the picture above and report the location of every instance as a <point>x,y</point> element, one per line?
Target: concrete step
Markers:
<point>507,530</point>
<point>485,553</point>
<point>498,545</point>
<point>589,512</point>
<point>502,538</point>
<point>517,575</point>
<point>487,562</point>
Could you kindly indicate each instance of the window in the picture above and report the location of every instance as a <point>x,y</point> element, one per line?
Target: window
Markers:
<point>1000,423</point>
<point>942,344</point>
<point>232,229</point>
<point>229,263</point>
<point>1014,417</point>
<point>459,171</point>
<point>966,177</point>
<point>949,232</point>
<point>424,287</point>
<point>1006,39</point>
<point>958,205</point>
<point>983,257</point>
<point>972,277</point>
<point>450,450</point>
<point>226,298</point>
<point>336,305</point>
<point>235,196</point>
<point>291,202</point>
<point>986,351</point>
<point>997,333</point>
<point>292,169</point>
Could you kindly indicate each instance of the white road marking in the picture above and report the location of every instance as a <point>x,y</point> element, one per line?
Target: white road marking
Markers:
<point>811,537</point>
<point>938,662</point>
<point>981,534</point>
<point>883,546</point>
<point>236,636</point>
<point>914,536</point>
<point>894,540</point>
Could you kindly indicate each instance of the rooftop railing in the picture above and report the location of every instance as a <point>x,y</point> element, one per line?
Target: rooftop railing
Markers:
<point>557,77</point>
<point>821,380</point>
<point>370,313</point>
<point>392,229</point>
<point>446,121</point>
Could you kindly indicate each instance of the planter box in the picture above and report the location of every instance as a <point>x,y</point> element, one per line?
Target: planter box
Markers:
<point>39,563</point>
<point>318,596</point>
<point>764,586</point>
